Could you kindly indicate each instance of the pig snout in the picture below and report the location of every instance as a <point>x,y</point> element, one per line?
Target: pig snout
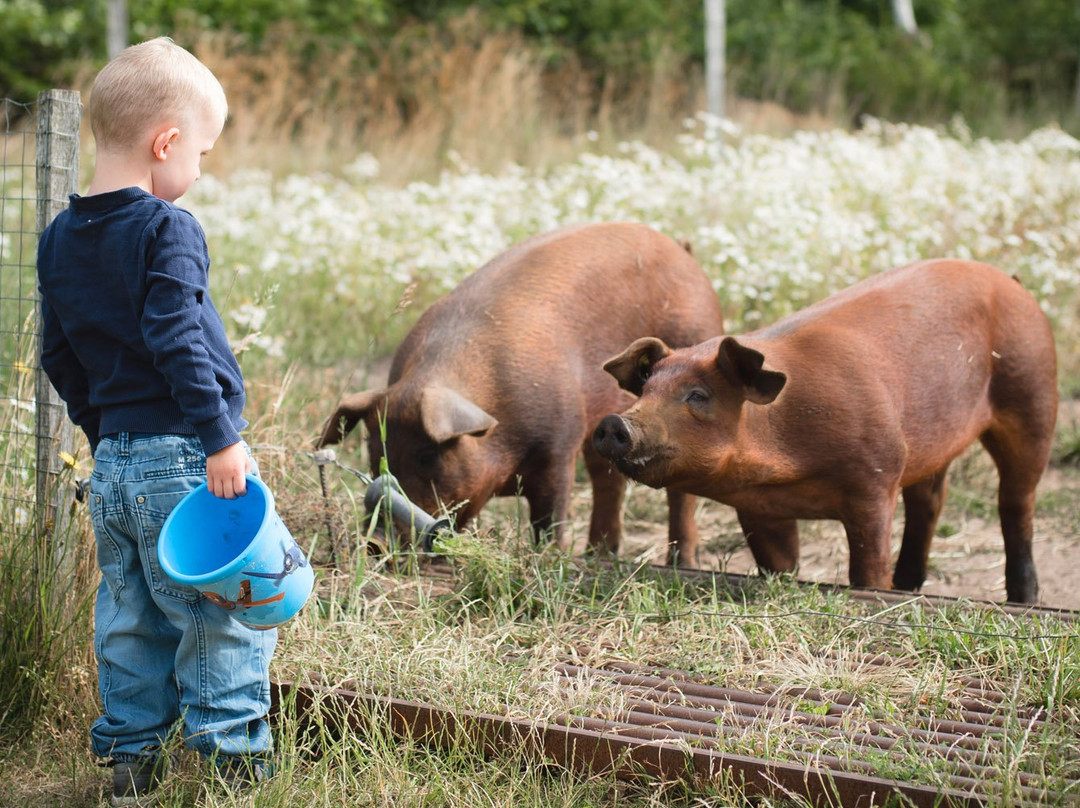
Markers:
<point>634,452</point>
<point>612,437</point>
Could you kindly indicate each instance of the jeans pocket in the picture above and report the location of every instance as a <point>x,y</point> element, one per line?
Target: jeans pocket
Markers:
<point>152,510</point>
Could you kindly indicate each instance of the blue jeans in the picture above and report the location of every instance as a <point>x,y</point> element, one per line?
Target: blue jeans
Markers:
<point>168,659</point>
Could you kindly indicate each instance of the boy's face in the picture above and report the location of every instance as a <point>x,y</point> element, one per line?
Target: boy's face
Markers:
<point>178,152</point>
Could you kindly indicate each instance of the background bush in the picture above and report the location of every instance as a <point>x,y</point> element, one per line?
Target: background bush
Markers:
<point>997,64</point>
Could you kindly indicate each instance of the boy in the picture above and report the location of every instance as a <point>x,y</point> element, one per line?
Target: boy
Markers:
<point>137,350</point>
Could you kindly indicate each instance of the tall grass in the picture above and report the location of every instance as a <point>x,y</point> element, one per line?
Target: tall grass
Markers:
<point>45,624</point>
<point>45,589</point>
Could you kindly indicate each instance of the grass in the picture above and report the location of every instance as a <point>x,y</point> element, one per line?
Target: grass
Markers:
<point>487,637</point>
<point>321,266</point>
<point>45,586</point>
<point>1067,447</point>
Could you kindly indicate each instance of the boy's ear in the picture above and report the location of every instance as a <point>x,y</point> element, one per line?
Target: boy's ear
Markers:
<point>164,139</point>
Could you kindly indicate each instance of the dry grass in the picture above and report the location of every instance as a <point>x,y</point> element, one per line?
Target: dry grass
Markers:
<point>489,98</point>
<point>426,96</point>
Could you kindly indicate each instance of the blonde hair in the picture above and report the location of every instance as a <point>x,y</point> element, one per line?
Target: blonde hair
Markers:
<point>152,83</point>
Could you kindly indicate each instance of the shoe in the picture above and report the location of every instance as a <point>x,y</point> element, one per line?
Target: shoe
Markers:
<point>134,781</point>
<point>239,773</point>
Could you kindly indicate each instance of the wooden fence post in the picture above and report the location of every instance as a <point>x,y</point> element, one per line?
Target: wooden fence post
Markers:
<point>58,117</point>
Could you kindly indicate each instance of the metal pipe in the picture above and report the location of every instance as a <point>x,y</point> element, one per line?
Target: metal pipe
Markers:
<point>385,494</point>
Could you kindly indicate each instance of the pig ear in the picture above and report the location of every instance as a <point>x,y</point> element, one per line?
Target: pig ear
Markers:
<point>742,368</point>
<point>446,414</point>
<point>349,413</point>
<point>632,367</point>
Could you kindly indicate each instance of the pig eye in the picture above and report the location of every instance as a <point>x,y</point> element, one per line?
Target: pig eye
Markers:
<point>428,459</point>
<point>696,396</point>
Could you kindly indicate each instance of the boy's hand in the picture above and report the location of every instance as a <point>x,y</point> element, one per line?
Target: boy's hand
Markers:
<point>225,470</point>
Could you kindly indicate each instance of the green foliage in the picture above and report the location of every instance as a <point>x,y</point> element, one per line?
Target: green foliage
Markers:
<point>42,42</point>
<point>609,33</point>
<point>255,19</point>
<point>983,59</point>
<point>1032,45</point>
<point>972,56</point>
<point>38,41</point>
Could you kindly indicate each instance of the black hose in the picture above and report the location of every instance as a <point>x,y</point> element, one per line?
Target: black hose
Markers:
<point>385,491</point>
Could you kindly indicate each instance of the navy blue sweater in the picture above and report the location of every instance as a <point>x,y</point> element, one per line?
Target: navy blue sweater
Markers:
<point>130,338</point>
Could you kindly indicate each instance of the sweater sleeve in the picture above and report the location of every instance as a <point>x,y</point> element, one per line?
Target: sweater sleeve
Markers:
<point>67,375</point>
<point>183,330</point>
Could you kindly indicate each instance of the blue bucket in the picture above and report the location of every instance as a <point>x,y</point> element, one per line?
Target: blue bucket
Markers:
<point>238,553</point>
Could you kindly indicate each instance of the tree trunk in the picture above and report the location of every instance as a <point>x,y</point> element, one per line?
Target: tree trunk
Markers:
<point>1076,96</point>
<point>715,34</point>
<point>904,17</point>
<point>116,26</point>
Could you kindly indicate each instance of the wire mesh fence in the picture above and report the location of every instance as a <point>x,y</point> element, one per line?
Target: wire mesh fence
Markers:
<point>39,156</point>
<point>18,322</point>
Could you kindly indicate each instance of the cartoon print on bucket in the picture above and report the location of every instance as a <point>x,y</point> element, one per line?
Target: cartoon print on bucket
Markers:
<point>238,553</point>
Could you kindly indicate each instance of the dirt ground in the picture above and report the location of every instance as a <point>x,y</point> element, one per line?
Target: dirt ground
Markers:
<point>969,562</point>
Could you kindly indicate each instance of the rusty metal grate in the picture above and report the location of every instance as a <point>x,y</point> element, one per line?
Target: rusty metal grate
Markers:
<point>674,704</point>
<point>654,722</point>
<point>672,724</point>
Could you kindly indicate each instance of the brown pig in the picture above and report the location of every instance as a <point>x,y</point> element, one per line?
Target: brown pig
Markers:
<point>499,384</point>
<point>833,412</point>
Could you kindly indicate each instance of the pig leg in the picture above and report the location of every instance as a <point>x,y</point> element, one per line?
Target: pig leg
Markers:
<point>868,523</point>
<point>682,530</point>
<point>547,490</point>
<point>922,506</point>
<point>1016,505</point>
<point>773,542</point>
<point>1020,461</point>
<point>608,489</point>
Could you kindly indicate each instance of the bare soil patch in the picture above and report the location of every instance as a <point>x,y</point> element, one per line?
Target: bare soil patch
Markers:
<point>967,562</point>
